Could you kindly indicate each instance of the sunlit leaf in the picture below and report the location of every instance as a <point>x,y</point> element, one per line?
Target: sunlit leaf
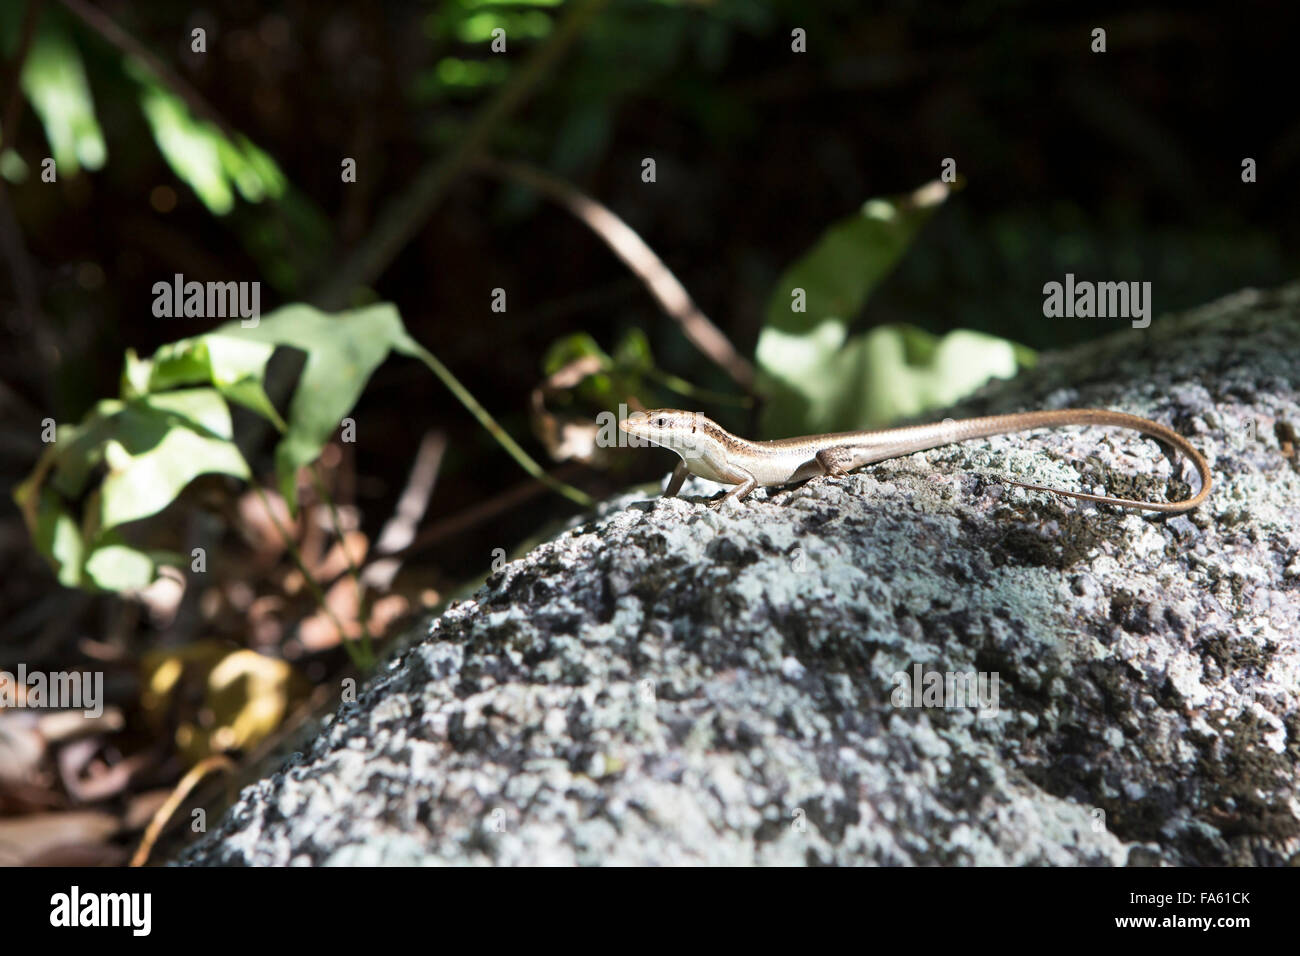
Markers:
<point>54,81</point>
<point>58,537</point>
<point>157,452</point>
<point>235,367</point>
<point>342,351</point>
<point>151,447</point>
<point>201,154</point>
<point>571,348</point>
<point>119,567</point>
<point>12,167</point>
<point>818,377</point>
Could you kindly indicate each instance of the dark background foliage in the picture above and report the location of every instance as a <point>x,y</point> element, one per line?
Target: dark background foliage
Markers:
<point>1124,164</point>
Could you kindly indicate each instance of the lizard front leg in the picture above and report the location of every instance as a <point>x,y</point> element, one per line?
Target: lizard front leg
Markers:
<point>675,482</point>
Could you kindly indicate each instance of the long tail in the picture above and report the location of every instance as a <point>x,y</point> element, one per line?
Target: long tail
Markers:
<point>1023,421</point>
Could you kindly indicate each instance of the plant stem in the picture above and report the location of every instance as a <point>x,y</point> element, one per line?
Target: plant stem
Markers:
<point>485,419</point>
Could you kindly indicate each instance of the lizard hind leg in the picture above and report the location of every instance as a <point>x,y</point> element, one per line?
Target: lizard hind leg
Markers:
<point>842,460</point>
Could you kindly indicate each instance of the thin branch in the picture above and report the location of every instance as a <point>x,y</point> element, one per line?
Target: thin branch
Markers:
<point>637,256</point>
<point>367,643</point>
<point>361,657</point>
<point>406,215</point>
<point>173,802</point>
<point>400,530</point>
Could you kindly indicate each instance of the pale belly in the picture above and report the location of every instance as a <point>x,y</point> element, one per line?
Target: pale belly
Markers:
<point>774,470</point>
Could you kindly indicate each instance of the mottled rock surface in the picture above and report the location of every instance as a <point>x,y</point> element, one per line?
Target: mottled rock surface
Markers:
<point>666,683</point>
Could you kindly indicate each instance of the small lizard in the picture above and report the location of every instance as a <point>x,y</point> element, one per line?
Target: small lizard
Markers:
<point>710,451</point>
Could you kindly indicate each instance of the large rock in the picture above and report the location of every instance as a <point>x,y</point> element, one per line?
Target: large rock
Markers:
<point>665,683</point>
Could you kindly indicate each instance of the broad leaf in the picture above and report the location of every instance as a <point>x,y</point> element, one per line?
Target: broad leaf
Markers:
<point>819,378</point>
<point>165,442</point>
<point>342,351</point>
<point>235,367</point>
<point>151,446</point>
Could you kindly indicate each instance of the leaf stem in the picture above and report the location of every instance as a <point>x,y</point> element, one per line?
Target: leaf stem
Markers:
<point>485,419</point>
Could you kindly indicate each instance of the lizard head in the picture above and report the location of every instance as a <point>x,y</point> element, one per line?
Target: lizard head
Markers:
<point>686,433</point>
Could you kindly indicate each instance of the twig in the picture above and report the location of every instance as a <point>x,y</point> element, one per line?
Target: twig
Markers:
<point>404,217</point>
<point>495,430</point>
<point>174,800</point>
<point>637,256</point>
<point>400,529</point>
<point>323,700</point>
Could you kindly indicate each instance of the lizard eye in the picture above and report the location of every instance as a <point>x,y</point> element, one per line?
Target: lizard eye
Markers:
<point>663,422</point>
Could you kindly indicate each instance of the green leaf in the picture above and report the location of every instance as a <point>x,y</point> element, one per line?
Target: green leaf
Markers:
<point>57,537</point>
<point>119,567</point>
<point>163,443</point>
<point>235,367</point>
<point>632,354</point>
<point>152,446</point>
<point>571,348</point>
<point>201,154</point>
<point>78,449</point>
<point>135,375</point>
<point>342,351</point>
<point>155,440</point>
<point>818,378</point>
<point>54,81</point>
<point>12,167</point>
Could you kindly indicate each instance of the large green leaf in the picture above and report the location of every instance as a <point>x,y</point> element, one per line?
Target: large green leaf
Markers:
<point>160,435</point>
<point>116,566</point>
<point>165,442</point>
<point>819,378</point>
<point>151,446</point>
<point>342,351</point>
